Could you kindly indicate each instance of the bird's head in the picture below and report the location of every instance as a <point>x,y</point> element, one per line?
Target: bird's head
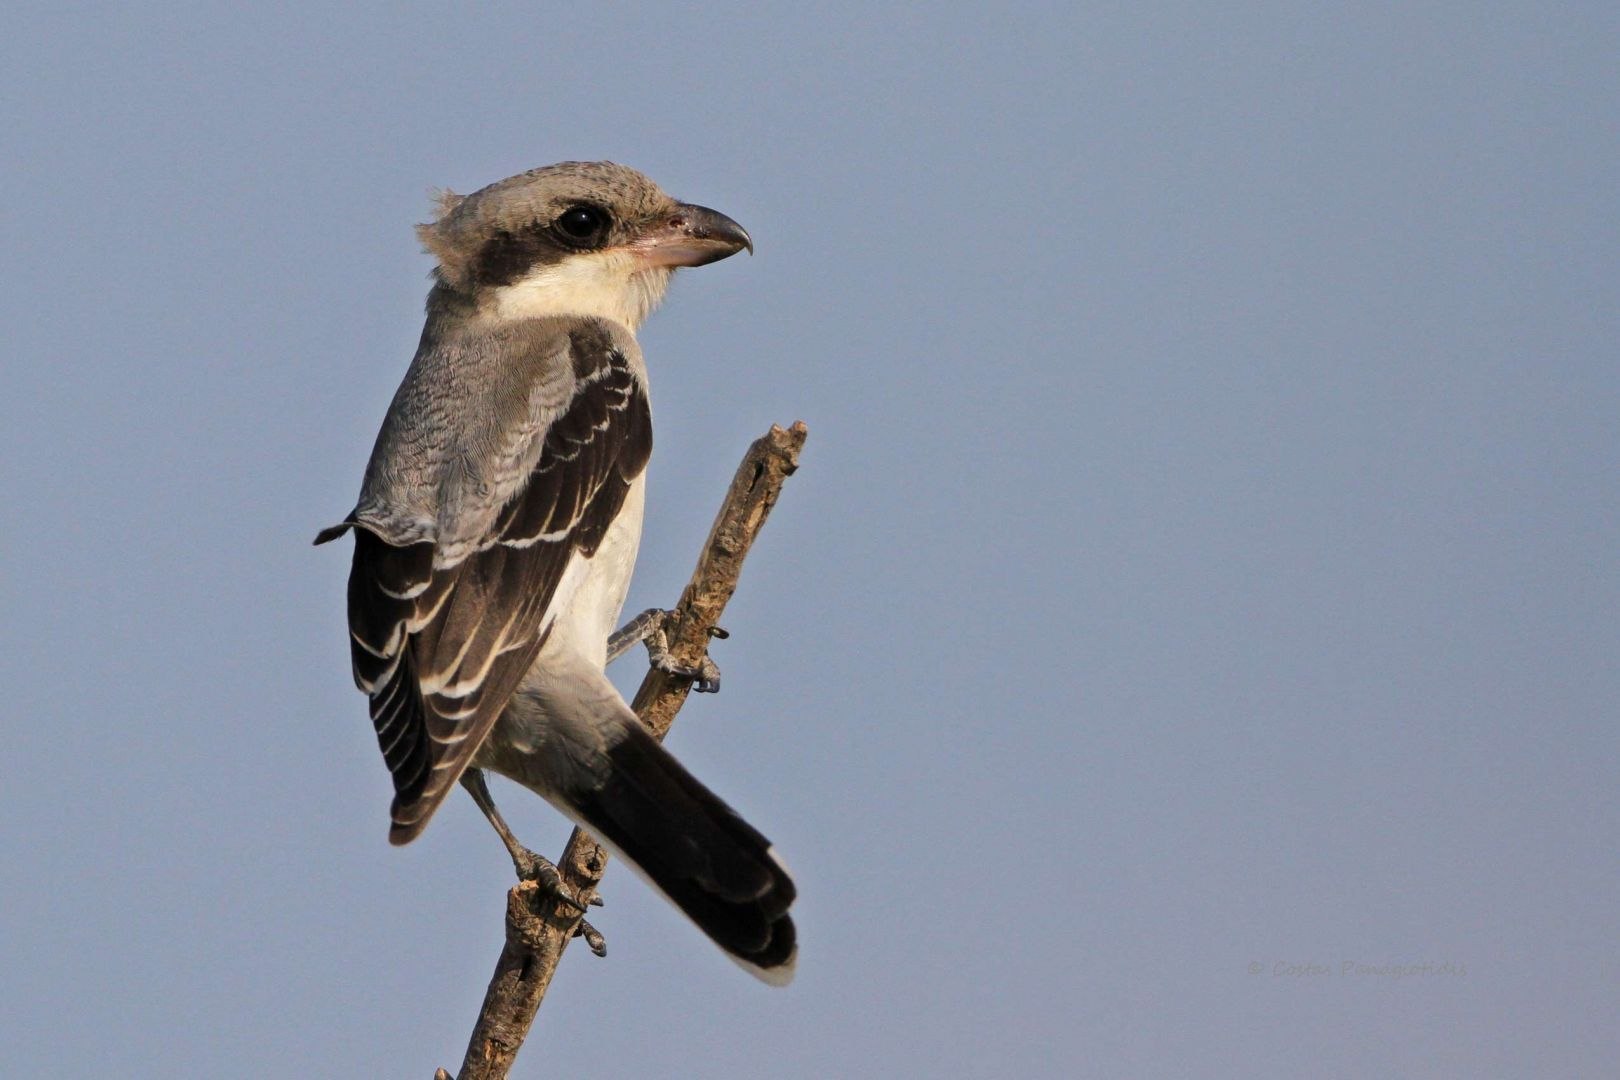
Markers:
<point>578,238</point>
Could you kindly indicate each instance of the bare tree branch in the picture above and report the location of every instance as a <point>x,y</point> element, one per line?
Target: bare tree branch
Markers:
<point>538,930</point>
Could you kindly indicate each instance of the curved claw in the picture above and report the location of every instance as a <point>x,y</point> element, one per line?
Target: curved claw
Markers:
<point>708,678</point>
<point>593,937</point>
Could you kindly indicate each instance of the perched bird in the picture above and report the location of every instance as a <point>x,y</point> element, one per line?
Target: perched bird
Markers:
<point>497,527</point>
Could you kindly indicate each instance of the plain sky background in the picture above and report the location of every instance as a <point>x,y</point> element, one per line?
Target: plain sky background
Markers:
<point>1203,568</point>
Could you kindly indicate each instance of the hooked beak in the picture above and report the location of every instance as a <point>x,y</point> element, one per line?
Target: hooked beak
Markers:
<point>692,236</point>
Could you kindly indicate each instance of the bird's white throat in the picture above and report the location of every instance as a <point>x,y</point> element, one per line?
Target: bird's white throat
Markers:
<point>598,284</point>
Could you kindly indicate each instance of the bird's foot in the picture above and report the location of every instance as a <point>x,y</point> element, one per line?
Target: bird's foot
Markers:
<point>705,674</point>
<point>551,887</point>
<point>648,627</point>
<point>544,873</point>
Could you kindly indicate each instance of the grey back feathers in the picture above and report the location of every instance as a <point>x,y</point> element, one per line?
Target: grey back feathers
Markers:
<point>463,433</point>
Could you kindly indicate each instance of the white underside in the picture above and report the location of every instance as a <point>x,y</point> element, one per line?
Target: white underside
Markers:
<point>590,596</point>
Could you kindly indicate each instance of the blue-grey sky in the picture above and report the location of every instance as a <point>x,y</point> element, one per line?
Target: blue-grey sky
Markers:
<point>1197,609</point>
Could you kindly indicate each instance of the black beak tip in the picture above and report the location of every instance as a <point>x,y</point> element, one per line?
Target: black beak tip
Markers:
<point>703,223</point>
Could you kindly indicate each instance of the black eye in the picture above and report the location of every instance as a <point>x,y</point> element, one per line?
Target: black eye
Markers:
<point>583,225</point>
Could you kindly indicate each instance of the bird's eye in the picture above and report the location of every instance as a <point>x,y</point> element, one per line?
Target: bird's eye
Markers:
<point>582,225</point>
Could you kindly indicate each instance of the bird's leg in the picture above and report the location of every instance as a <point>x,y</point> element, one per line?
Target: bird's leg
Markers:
<point>530,867</point>
<point>634,632</point>
<point>649,627</point>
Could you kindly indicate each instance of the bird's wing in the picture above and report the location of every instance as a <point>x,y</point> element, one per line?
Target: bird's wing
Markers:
<point>440,646</point>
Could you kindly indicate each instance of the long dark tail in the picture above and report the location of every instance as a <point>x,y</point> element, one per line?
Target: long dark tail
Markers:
<point>711,863</point>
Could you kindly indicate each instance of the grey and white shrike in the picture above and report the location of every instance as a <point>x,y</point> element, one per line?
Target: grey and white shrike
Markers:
<point>497,527</point>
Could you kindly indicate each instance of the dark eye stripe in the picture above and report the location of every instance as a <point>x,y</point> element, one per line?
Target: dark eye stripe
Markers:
<point>507,256</point>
